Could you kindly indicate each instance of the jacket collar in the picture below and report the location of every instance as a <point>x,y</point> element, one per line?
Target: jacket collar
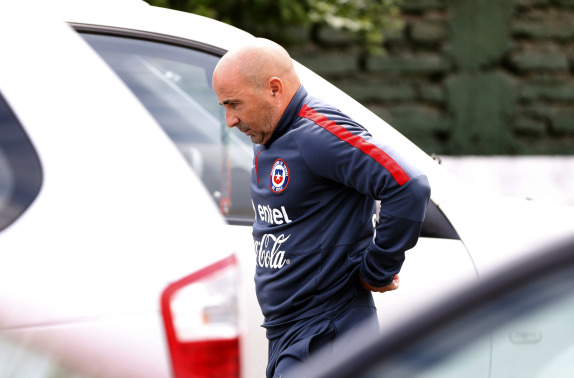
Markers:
<point>289,116</point>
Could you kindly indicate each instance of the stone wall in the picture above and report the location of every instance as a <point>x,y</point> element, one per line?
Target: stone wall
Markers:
<point>466,77</point>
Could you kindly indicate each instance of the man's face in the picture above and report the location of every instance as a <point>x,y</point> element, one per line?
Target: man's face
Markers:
<point>247,108</point>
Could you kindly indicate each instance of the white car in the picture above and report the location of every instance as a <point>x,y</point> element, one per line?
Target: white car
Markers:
<point>124,200</point>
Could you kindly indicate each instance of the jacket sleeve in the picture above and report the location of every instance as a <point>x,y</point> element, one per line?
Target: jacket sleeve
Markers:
<point>351,156</point>
<point>400,220</point>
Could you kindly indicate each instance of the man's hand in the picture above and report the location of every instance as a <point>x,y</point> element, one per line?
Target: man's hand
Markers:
<point>390,287</point>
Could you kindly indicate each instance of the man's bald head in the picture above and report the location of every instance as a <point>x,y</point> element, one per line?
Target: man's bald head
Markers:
<point>255,83</point>
<point>257,61</point>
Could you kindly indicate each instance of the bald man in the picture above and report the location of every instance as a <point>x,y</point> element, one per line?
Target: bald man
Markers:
<point>315,178</point>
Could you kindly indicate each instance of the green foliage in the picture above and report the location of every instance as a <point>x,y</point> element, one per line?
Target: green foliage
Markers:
<point>368,20</point>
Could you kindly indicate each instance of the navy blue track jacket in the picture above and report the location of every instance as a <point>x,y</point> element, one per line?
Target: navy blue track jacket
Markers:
<point>313,187</point>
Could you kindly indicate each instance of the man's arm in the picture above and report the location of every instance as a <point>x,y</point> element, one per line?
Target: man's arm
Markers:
<point>348,154</point>
<point>400,221</point>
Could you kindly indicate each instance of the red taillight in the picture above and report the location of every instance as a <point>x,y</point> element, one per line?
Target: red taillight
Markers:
<point>201,322</point>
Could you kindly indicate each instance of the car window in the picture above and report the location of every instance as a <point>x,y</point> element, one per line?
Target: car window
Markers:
<point>436,224</point>
<point>528,332</point>
<point>20,170</point>
<point>174,83</point>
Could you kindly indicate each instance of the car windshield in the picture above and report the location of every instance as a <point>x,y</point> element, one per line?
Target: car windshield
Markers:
<point>174,84</point>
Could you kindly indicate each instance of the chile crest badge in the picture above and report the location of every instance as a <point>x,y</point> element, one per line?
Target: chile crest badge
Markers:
<point>279,177</point>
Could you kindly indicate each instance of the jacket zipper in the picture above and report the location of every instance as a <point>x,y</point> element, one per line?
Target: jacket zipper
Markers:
<point>256,169</point>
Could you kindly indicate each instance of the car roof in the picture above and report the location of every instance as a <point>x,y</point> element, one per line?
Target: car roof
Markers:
<point>139,15</point>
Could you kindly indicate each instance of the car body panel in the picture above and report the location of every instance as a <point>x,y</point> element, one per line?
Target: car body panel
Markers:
<point>420,283</point>
<point>116,218</point>
<point>504,228</point>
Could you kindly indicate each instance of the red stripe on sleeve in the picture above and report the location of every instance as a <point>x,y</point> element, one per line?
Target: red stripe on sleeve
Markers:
<point>370,149</point>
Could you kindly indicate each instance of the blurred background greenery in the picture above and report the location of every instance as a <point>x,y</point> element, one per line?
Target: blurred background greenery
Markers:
<point>292,21</point>
<point>480,77</point>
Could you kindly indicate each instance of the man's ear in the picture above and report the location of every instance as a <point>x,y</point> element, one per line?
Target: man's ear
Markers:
<point>276,86</point>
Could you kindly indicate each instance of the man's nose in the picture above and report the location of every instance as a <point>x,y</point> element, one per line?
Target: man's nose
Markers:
<point>231,120</point>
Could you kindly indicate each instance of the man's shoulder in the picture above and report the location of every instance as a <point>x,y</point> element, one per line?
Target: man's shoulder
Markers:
<point>315,112</point>
<point>321,107</point>
<point>318,113</point>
